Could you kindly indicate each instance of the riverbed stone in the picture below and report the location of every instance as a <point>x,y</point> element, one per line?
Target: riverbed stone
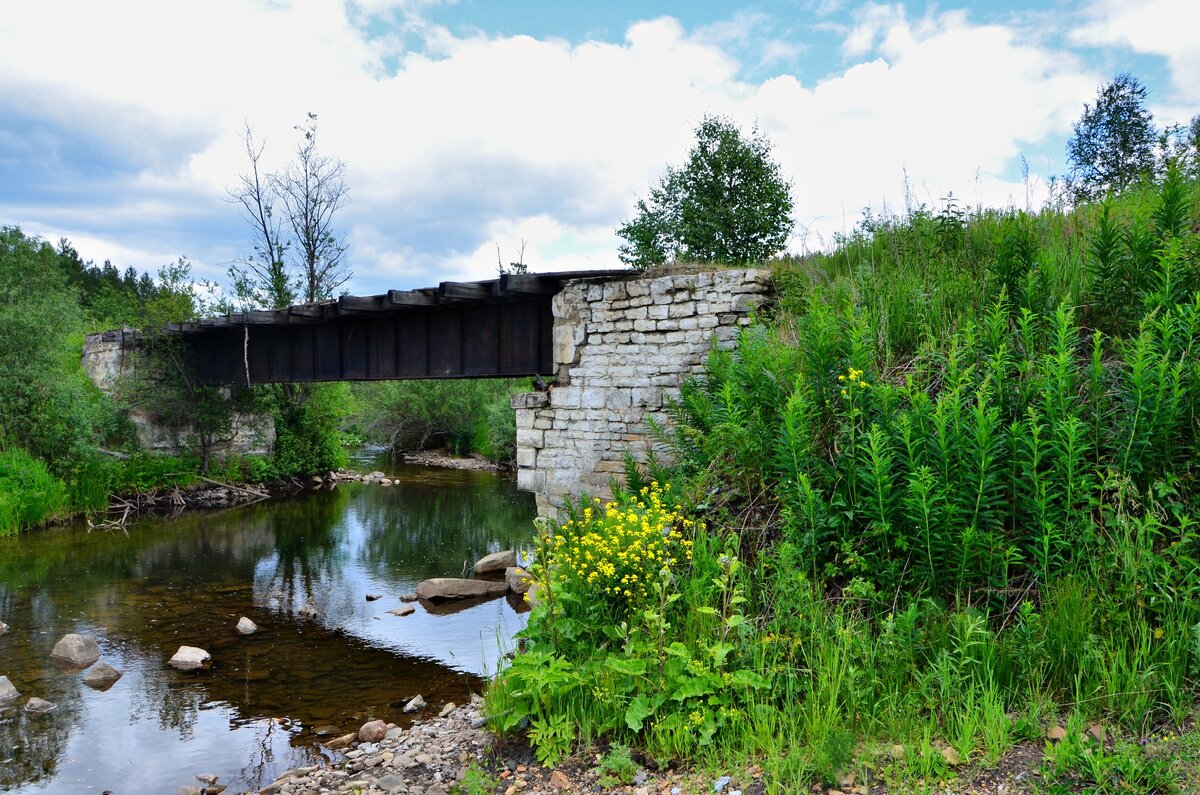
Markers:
<point>518,579</point>
<point>409,597</point>
<point>496,562</point>
<point>36,704</point>
<point>102,677</point>
<point>403,610</point>
<point>416,704</point>
<point>3,627</point>
<point>77,650</point>
<point>246,627</point>
<point>372,731</point>
<point>371,597</point>
<point>441,589</point>
<point>8,690</point>
<point>308,611</point>
<point>189,658</point>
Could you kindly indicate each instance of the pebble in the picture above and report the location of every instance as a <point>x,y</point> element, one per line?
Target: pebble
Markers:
<point>416,704</point>
<point>720,784</point>
<point>246,627</point>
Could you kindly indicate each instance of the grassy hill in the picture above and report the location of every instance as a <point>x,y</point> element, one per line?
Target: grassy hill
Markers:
<point>939,503</point>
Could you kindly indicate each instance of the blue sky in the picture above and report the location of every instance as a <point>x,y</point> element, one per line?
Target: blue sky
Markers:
<point>471,125</point>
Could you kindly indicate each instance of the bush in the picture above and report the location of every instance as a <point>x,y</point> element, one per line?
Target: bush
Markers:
<point>29,494</point>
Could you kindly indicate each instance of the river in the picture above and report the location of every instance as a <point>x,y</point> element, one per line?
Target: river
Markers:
<point>272,697</point>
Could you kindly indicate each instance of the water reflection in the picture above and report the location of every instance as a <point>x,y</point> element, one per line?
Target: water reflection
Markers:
<point>186,581</point>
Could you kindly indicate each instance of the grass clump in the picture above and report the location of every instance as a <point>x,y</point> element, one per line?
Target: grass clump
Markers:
<point>940,500</point>
<point>29,493</point>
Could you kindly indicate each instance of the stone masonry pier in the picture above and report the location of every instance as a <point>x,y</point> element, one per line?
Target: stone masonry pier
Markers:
<point>622,347</point>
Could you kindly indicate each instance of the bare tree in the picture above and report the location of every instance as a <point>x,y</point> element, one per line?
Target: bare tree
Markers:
<point>312,190</point>
<point>261,278</point>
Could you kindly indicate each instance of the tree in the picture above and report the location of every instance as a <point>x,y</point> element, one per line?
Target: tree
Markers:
<point>262,278</point>
<point>309,262</point>
<point>313,190</point>
<point>728,204</point>
<point>1112,144</point>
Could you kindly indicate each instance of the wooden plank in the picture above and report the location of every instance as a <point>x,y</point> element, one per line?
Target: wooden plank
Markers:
<point>354,350</point>
<point>467,291</point>
<point>304,352</point>
<point>413,345</point>
<point>479,354</point>
<point>411,298</point>
<point>445,343</point>
<point>381,348</point>
<point>369,303</point>
<point>329,352</point>
<point>527,284</point>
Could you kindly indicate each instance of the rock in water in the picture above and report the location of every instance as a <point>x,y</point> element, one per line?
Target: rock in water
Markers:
<point>403,610</point>
<point>102,677</point>
<point>409,597</point>
<point>371,597</point>
<point>308,611</point>
<point>189,658</point>
<point>3,627</point>
<point>372,731</point>
<point>78,650</point>
<point>36,704</point>
<point>441,589</point>
<point>246,627</point>
<point>496,562</point>
<point>518,579</point>
<point>417,703</point>
<point>7,691</point>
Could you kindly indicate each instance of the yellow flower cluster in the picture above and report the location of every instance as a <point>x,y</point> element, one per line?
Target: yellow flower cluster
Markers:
<point>853,378</point>
<point>620,549</point>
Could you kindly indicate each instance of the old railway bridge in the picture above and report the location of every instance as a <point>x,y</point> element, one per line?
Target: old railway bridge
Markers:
<point>614,345</point>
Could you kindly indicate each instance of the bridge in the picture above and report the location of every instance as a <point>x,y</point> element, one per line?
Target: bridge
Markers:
<point>618,344</point>
<point>500,328</point>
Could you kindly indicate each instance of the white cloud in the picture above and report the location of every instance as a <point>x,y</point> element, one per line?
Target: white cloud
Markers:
<point>477,140</point>
<point>1165,28</point>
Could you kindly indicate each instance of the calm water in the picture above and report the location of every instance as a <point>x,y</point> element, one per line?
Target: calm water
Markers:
<point>271,697</point>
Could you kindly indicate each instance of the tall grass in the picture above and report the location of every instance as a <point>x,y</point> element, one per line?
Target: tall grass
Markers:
<point>29,494</point>
<point>951,480</point>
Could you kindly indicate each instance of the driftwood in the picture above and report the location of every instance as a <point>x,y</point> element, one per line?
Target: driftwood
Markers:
<point>251,492</point>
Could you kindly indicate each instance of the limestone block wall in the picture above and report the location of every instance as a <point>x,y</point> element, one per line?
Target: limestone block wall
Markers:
<point>112,356</point>
<point>621,349</point>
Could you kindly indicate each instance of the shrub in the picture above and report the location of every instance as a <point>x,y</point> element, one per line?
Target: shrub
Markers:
<point>29,494</point>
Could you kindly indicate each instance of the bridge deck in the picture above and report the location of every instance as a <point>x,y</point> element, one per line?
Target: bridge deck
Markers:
<point>490,329</point>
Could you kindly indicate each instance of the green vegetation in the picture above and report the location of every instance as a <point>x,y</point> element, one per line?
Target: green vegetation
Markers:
<point>727,204</point>
<point>940,499</point>
<point>55,425</point>
<point>463,416</point>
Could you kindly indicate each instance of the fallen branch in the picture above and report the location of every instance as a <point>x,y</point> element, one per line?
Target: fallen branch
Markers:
<point>251,492</point>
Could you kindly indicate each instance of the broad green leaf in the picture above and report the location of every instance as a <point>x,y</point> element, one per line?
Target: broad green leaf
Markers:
<point>627,665</point>
<point>637,712</point>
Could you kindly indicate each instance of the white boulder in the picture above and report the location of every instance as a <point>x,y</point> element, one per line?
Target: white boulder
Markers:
<point>189,658</point>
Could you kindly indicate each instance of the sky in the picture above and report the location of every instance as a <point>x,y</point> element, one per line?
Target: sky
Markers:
<point>475,128</point>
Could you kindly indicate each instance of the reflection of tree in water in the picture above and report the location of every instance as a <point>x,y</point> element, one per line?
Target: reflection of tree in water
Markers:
<point>433,532</point>
<point>308,535</point>
<point>31,745</point>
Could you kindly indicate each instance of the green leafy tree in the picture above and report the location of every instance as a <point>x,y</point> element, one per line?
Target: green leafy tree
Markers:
<point>728,204</point>
<point>1112,145</point>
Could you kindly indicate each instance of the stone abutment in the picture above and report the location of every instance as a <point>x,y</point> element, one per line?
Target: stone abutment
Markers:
<point>622,348</point>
